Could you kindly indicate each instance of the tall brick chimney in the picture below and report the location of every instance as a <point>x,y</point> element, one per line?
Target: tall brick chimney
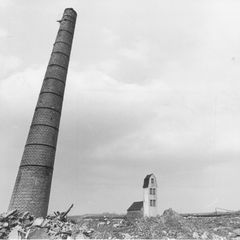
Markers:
<point>33,183</point>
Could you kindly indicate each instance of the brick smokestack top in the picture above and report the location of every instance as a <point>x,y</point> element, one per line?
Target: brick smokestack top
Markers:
<point>33,183</point>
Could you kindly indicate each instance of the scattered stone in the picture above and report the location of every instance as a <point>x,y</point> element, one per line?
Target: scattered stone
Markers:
<point>38,222</point>
<point>17,225</point>
<point>5,224</point>
<point>195,235</point>
<point>3,230</point>
<point>237,231</point>
<point>38,233</point>
<point>126,236</point>
<point>205,236</point>
<point>15,234</point>
<point>79,236</point>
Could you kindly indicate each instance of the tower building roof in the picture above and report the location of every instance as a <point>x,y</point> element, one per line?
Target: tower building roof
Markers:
<point>146,181</point>
<point>136,206</point>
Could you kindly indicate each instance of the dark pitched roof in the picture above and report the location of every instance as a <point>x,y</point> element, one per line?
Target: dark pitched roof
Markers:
<point>146,181</point>
<point>136,206</point>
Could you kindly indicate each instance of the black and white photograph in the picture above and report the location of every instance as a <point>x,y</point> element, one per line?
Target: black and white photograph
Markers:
<point>120,119</point>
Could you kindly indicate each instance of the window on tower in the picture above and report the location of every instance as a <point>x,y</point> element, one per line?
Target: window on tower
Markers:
<point>152,203</point>
<point>152,191</point>
<point>152,180</point>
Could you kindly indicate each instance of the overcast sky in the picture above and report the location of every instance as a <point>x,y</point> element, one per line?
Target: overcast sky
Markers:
<point>153,87</point>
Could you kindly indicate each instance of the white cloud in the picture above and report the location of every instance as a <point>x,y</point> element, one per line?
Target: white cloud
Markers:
<point>5,3</point>
<point>8,65</point>
<point>3,33</point>
<point>138,51</point>
<point>109,37</point>
<point>18,92</point>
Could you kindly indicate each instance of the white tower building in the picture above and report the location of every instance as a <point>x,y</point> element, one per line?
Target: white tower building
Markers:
<point>148,207</point>
<point>150,196</point>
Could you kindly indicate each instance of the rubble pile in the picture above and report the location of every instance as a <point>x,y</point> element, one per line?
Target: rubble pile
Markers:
<point>227,227</point>
<point>104,227</point>
<point>170,225</point>
<point>18,225</point>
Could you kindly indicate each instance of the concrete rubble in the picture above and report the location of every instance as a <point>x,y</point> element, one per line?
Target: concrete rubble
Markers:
<point>17,225</point>
<point>170,225</point>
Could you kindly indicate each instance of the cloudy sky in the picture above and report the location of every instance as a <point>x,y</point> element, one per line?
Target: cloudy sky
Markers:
<point>153,86</point>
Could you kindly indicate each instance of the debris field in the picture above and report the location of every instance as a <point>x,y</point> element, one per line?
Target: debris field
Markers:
<point>170,225</point>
